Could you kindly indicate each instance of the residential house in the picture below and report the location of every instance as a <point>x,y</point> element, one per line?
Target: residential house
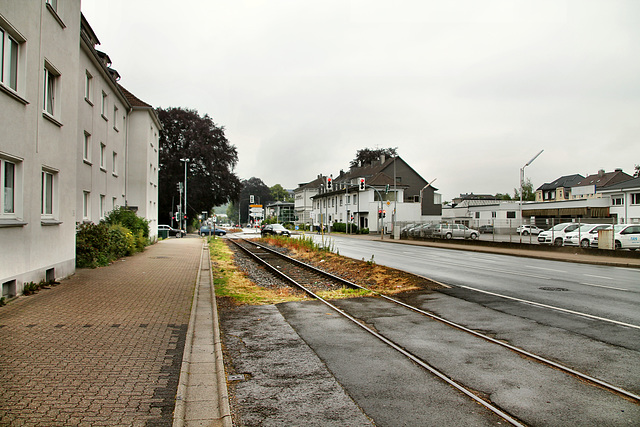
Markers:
<point>558,190</point>
<point>71,140</point>
<point>303,202</point>
<point>591,186</point>
<point>392,190</point>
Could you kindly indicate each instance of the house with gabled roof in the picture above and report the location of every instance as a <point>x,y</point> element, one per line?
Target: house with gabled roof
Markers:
<point>591,186</point>
<point>392,191</point>
<point>558,190</point>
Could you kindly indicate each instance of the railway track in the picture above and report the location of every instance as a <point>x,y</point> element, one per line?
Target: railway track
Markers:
<point>310,280</point>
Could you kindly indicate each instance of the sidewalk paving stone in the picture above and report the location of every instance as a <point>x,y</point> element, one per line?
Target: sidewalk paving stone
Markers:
<point>105,346</point>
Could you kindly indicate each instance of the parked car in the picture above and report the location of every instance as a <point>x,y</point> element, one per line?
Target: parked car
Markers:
<point>170,231</point>
<point>525,230</point>
<point>586,236</point>
<point>449,231</point>
<point>207,230</point>
<point>627,236</point>
<point>555,235</point>
<point>487,228</point>
<point>274,230</point>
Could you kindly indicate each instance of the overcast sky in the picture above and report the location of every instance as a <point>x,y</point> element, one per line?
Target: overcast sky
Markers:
<point>467,90</point>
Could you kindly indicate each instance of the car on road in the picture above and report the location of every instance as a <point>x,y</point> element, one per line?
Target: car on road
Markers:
<point>487,228</point>
<point>627,236</point>
<point>170,231</point>
<point>525,230</point>
<point>555,235</point>
<point>449,231</point>
<point>207,230</point>
<point>586,236</point>
<point>274,230</point>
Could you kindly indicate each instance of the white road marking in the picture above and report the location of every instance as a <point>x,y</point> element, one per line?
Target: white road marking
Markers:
<point>599,277</point>
<point>603,286</point>
<point>564,310</point>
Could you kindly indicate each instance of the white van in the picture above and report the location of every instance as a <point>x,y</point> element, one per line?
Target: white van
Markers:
<point>555,235</point>
<point>627,236</point>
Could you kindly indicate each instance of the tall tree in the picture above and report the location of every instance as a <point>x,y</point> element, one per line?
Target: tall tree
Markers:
<point>368,155</point>
<point>528,193</point>
<point>250,187</point>
<point>210,177</point>
<point>279,193</point>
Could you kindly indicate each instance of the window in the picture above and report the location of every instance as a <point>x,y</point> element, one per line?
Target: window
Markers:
<point>88,87</point>
<point>103,111</point>
<point>8,182</point>
<point>114,203</point>
<point>47,194</point>
<point>477,215</point>
<point>102,159</point>
<point>9,60</point>
<point>511,214</point>
<point>86,205</point>
<point>102,205</point>
<point>114,167</point>
<point>86,147</point>
<point>115,117</point>
<point>51,89</point>
<point>617,200</point>
<point>635,198</point>
<point>494,214</point>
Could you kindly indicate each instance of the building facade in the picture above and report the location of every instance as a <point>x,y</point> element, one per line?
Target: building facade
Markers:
<point>66,143</point>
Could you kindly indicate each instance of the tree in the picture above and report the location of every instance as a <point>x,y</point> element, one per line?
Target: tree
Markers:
<point>210,177</point>
<point>367,155</point>
<point>505,196</point>
<point>279,193</point>
<point>250,187</point>
<point>528,195</point>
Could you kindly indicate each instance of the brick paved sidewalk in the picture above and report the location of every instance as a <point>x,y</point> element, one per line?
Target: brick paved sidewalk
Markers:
<point>104,347</point>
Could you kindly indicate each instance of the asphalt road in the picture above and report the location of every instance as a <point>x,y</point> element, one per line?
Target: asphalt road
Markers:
<point>608,294</point>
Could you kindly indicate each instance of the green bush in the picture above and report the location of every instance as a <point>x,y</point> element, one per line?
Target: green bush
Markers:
<point>100,244</point>
<point>128,219</point>
<point>92,245</point>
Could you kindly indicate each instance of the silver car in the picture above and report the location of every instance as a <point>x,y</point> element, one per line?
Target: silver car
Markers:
<point>449,231</point>
<point>586,236</point>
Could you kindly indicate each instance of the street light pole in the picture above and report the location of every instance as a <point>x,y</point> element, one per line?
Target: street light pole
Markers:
<point>522,184</point>
<point>184,214</point>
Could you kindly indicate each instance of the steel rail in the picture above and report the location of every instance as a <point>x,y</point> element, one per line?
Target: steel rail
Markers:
<point>382,338</point>
<point>540,359</point>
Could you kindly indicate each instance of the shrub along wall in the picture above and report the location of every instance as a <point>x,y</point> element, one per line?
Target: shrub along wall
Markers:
<point>121,233</point>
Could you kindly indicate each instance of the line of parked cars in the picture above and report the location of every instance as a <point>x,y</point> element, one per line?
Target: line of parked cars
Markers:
<point>625,236</point>
<point>443,231</point>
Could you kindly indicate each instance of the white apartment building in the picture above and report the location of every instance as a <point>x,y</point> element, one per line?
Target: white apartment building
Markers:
<point>67,141</point>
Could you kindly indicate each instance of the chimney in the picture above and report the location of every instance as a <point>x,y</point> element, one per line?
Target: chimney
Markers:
<point>618,170</point>
<point>382,158</point>
<point>601,173</point>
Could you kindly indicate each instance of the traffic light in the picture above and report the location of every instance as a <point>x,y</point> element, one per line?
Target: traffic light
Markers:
<point>329,183</point>
<point>384,214</point>
<point>379,213</point>
<point>362,184</point>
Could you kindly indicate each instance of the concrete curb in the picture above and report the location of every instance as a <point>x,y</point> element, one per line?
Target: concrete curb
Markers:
<point>202,397</point>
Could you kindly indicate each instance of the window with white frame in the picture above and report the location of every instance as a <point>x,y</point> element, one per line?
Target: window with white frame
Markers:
<point>114,166</point>
<point>86,147</point>
<point>114,203</point>
<point>88,86</point>
<point>48,192</point>
<point>103,149</point>
<point>115,117</point>
<point>51,89</point>
<point>103,205</point>
<point>635,198</point>
<point>617,200</point>
<point>9,60</point>
<point>8,184</point>
<point>86,205</point>
<point>103,110</point>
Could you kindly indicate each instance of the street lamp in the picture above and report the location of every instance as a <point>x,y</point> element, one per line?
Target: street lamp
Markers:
<point>522,183</point>
<point>184,214</point>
